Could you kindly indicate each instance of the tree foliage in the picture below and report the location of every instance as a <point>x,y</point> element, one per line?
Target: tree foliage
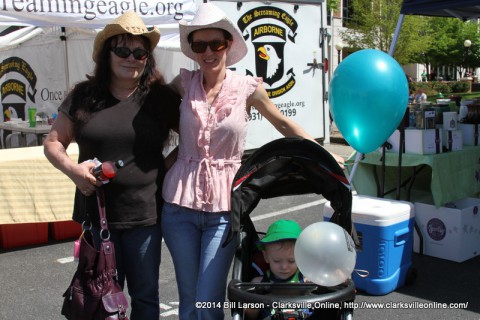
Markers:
<point>435,41</point>
<point>332,5</point>
<point>373,24</point>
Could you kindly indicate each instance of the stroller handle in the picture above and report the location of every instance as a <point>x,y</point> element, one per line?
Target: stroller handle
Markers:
<point>248,292</point>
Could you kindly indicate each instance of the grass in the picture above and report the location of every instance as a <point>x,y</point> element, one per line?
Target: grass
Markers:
<point>465,96</point>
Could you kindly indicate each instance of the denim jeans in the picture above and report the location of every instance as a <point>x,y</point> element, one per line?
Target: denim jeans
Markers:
<point>195,239</point>
<point>138,252</point>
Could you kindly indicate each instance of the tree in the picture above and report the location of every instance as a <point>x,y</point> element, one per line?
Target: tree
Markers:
<point>332,5</point>
<point>435,41</point>
<point>447,48</point>
<point>414,40</point>
<point>372,25</point>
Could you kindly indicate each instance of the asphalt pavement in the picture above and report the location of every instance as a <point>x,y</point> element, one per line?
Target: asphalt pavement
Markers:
<point>33,279</point>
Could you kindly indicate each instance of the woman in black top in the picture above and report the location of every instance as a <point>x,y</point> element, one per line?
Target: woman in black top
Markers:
<point>122,112</point>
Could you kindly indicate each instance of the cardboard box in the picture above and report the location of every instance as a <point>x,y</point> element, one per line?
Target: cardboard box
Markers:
<point>419,141</point>
<point>450,120</point>
<point>61,230</point>
<point>394,141</point>
<point>452,140</point>
<point>23,234</point>
<point>469,133</point>
<point>385,230</point>
<point>451,233</point>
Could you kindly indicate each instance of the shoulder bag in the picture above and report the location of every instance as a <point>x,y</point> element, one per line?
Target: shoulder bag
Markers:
<point>94,293</point>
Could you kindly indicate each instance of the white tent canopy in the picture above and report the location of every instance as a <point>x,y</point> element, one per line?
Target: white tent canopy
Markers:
<point>40,62</point>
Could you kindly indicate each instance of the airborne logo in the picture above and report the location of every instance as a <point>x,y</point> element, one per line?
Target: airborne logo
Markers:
<point>18,87</point>
<point>269,40</point>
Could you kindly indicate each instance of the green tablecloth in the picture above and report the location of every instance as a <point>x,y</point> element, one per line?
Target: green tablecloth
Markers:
<point>445,177</point>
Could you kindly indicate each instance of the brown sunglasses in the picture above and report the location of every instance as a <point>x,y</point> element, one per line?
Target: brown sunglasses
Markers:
<point>215,45</point>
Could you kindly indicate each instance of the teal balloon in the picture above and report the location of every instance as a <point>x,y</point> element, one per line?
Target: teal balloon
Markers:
<point>368,98</point>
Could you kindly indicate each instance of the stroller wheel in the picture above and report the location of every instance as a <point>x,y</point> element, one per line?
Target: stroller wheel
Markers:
<point>346,314</point>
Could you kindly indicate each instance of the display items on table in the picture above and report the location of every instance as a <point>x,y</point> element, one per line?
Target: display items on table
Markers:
<point>473,112</point>
<point>468,121</point>
<point>450,232</point>
<point>439,110</point>
<point>428,141</point>
<point>433,141</point>
<point>417,141</point>
<point>469,133</point>
<point>450,120</point>
<point>452,140</point>
<point>425,118</point>
<point>463,111</point>
<point>385,229</point>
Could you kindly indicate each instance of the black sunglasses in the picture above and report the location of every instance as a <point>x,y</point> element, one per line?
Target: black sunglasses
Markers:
<point>124,52</point>
<point>215,45</point>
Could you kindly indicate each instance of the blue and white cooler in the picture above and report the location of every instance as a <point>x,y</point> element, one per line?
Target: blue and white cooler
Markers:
<point>385,229</point>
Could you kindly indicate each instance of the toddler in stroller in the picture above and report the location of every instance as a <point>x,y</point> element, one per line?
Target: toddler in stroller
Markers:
<point>287,166</point>
<point>278,251</point>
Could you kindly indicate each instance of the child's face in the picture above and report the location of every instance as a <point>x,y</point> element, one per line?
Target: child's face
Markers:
<point>280,256</point>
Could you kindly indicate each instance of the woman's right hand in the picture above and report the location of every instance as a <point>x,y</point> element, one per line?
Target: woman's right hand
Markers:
<point>84,179</point>
<point>55,149</point>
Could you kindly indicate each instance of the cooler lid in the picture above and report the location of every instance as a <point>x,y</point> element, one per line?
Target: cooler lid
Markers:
<point>376,211</point>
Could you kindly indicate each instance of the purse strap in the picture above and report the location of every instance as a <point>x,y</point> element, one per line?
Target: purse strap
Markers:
<point>106,245</point>
<point>102,213</point>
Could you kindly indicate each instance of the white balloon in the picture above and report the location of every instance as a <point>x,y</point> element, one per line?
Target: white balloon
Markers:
<point>325,254</point>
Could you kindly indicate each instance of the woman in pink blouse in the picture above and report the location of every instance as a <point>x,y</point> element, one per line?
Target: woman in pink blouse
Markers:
<point>213,130</point>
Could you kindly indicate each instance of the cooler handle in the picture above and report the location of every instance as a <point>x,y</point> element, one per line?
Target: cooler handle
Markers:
<point>401,236</point>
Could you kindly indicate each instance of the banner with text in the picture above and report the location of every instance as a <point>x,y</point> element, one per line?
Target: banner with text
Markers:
<point>92,13</point>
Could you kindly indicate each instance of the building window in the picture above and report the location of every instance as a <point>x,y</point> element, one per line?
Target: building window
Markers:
<point>347,12</point>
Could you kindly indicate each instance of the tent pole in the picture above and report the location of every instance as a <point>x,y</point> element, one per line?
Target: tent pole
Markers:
<point>395,35</point>
<point>63,37</point>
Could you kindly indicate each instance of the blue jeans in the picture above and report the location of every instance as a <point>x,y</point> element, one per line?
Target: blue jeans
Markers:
<point>138,252</point>
<point>195,239</point>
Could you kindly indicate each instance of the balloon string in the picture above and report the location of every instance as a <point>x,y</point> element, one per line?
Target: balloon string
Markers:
<point>362,273</point>
<point>358,157</point>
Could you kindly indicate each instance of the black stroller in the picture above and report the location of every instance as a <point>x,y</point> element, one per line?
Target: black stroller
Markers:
<point>287,166</point>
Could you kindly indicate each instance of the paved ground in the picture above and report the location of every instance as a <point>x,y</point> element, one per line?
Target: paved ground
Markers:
<point>33,278</point>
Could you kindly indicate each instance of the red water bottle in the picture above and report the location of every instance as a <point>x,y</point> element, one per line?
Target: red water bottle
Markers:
<point>107,170</point>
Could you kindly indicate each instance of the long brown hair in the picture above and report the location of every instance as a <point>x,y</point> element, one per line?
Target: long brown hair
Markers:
<point>94,94</point>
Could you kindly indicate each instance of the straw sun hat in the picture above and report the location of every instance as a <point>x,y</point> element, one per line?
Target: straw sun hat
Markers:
<point>129,22</point>
<point>209,16</point>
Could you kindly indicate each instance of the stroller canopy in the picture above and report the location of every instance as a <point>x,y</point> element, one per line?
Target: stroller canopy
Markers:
<point>290,166</point>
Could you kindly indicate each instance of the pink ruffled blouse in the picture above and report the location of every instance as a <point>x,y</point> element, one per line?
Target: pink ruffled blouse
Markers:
<point>212,141</point>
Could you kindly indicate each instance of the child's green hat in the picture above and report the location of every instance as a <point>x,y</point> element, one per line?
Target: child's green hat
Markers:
<point>279,231</point>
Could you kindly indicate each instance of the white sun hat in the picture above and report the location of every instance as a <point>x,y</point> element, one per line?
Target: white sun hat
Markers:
<point>209,16</point>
